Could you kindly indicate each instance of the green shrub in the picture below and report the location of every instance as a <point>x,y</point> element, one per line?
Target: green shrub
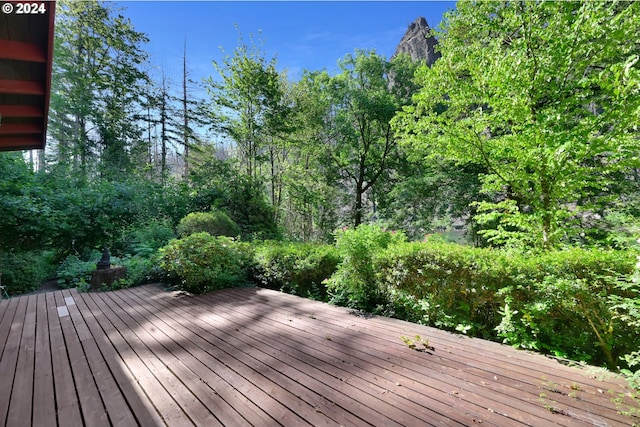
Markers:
<point>146,239</point>
<point>24,272</point>
<point>140,270</point>
<point>445,285</point>
<point>564,305</point>
<point>216,223</point>
<point>354,283</point>
<point>73,271</point>
<point>201,263</point>
<point>558,302</point>
<point>295,268</point>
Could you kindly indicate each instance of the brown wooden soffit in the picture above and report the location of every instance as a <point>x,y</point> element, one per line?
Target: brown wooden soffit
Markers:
<point>26,57</point>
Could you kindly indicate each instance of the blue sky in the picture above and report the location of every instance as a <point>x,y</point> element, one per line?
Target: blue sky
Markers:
<point>309,35</point>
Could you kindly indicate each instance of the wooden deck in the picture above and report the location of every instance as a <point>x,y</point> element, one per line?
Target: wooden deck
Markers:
<point>259,357</point>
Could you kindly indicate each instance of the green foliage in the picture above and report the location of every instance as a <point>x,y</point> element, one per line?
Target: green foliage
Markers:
<point>24,271</point>
<point>216,223</point>
<point>24,214</point>
<point>295,268</point>
<point>425,197</point>
<point>354,284</point>
<point>140,270</point>
<point>545,96</point>
<point>445,285</point>
<point>219,185</point>
<point>71,214</point>
<point>357,106</point>
<point>247,102</point>
<point>247,203</point>
<point>559,302</point>
<point>73,271</point>
<point>201,263</point>
<point>567,307</point>
<point>626,309</point>
<point>412,343</point>
<point>97,86</point>
<point>146,239</point>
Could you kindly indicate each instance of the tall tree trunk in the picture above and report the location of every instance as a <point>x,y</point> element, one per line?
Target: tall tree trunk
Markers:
<point>163,130</point>
<point>184,112</point>
<point>357,216</point>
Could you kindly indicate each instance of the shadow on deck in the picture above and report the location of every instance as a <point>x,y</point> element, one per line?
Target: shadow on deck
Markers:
<point>258,357</point>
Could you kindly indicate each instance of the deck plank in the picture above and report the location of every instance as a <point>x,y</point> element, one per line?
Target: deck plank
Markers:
<point>186,320</point>
<point>170,369</point>
<point>9,359</point>
<point>285,415</point>
<point>257,357</point>
<point>20,409</point>
<point>140,405</point>
<point>7,310</point>
<point>93,410</point>
<point>203,366</point>
<point>438,385</point>
<point>139,360</point>
<point>561,378</point>
<point>319,380</point>
<point>116,406</point>
<point>327,354</point>
<point>66,397</point>
<point>44,408</point>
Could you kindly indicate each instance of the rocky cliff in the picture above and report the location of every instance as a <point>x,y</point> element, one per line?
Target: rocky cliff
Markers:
<point>418,42</point>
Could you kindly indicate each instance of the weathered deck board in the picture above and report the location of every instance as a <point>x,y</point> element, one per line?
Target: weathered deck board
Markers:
<point>237,357</point>
<point>13,325</point>
<point>318,375</point>
<point>109,391</point>
<point>379,352</point>
<point>224,341</point>
<point>88,394</point>
<point>372,370</point>
<point>489,377</point>
<point>140,409</point>
<point>19,407</point>
<point>231,357</point>
<point>44,407</point>
<point>66,397</point>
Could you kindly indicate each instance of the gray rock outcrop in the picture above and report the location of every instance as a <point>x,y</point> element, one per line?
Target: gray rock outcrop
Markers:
<point>418,42</point>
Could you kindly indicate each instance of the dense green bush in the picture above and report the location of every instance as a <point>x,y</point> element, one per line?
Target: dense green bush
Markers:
<point>216,184</point>
<point>558,302</point>
<point>25,271</point>
<point>626,308</point>
<point>354,283</point>
<point>201,263</point>
<point>445,285</point>
<point>140,270</point>
<point>295,268</point>
<point>216,223</point>
<point>147,238</point>
<point>74,272</point>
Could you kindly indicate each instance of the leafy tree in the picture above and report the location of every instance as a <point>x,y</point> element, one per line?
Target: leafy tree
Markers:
<point>96,87</point>
<point>280,125</point>
<point>24,218</point>
<point>545,96</point>
<point>426,198</point>
<point>309,198</point>
<point>219,184</point>
<point>359,104</point>
<point>246,102</point>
